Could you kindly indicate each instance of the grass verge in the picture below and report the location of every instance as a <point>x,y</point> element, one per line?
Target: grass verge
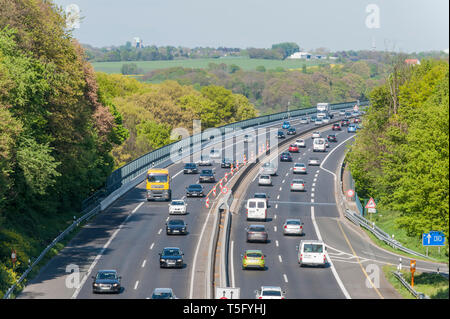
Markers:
<point>433,285</point>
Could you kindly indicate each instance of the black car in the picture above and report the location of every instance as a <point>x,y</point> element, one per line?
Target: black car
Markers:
<point>332,138</point>
<point>106,281</point>
<point>286,157</point>
<point>291,131</point>
<point>176,226</point>
<point>171,257</point>
<point>207,175</point>
<point>194,190</point>
<point>226,163</point>
<point>190,168</point>
<point>280,134</point>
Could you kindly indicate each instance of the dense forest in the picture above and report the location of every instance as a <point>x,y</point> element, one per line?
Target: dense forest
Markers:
<point>401,157</point>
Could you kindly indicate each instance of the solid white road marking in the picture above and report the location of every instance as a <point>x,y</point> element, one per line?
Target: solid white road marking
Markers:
<point>333,270</point>
<point>97,258</point>
<point>177,174</point>
<point>232,265</point>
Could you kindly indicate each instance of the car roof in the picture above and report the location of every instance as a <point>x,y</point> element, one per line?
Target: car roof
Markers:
<point>157,290</point>
<point>169,248</point>
<point>253,251</point>
<point>293,219</point>
<point>107,270</point>
<point>270,288</point>
<point>312,241</point>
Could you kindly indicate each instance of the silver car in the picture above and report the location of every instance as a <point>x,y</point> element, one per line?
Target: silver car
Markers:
<point>163,293</point>
<point>268,168</point>
<point>293,227</point>
<point>177,207</point>
<point>318,121</point>
<point>204,160</point>
<point>326,120</point>
<point>304,120</point>
<point>299,168</point>
<point>316,135</point>
<point>264,180</point>
<point>257,233</point>
<point>314,161</point>
<point>298,185</point>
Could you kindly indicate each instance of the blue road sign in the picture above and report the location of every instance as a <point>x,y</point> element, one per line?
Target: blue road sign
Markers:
<point>433,238</point>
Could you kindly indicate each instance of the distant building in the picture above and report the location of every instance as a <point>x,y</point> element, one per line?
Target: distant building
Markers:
<point>412,61</point>
<point>300,55</point>
<point>137,42</point>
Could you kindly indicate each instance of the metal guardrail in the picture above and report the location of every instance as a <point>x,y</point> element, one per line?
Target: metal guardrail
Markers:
<point>415,293</point>
<point>379,233</point>
<point>126,176</point>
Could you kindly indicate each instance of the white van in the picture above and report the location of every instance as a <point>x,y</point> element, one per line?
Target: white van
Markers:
<point>319,145</point>
<point>257,209</point>
<point>312,252</point>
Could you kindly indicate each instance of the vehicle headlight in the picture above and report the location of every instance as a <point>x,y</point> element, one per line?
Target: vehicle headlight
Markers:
<point>179,260</point>
<point>163,260</point>
<point>115,285</point>
<point>96,284</point>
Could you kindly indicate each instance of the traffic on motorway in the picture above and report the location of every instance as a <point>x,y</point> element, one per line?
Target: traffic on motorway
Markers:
<point>185,197</point>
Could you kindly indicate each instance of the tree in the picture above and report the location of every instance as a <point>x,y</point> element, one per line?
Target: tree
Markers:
<point>286,48</point>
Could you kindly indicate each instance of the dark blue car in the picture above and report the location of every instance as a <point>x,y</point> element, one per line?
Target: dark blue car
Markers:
<point>171,257</point>
<point>286,157</point>
<point>280,134</point>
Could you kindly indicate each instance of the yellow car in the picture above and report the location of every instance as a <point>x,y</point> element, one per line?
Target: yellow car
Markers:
<point>253,259</point>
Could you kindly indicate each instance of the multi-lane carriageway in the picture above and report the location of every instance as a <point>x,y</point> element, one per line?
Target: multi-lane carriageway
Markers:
<point>129,235</point>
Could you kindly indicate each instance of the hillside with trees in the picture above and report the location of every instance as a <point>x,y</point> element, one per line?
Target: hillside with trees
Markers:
<point>401,156</point>
<point>151,111</point>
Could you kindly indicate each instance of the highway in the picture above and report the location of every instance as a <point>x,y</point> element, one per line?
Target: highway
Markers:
<point>129,235</point>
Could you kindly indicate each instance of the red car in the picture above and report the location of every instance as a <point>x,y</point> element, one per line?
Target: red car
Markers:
<point>336,127</point>
<point>345,122</point>
<point>293,148</point>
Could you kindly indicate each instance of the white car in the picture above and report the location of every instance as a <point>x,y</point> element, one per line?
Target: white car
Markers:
<point>314,161</point>
<point>177,207</point>
<point>270,292</point>
<point>264,179</point>
<point>299,168</point>
<point>269,168</point>
<point>293,227</point>
<point>326,120</point>
<point>312,252</point>
<point>342,112</point>
<point>318,121</point>
<point>315,135</point>
<point>204,160</point>
<point>304,120</point>
<point>300,143</point>
<point>298,185</point>
<point>214,154</point>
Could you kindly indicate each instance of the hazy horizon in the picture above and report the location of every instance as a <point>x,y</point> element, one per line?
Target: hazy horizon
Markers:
<point>403,25</point>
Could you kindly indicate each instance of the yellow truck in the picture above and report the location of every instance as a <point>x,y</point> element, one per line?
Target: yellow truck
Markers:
<point>158,184</point>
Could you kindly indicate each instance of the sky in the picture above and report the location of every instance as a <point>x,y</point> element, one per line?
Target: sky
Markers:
<point>394,25</point>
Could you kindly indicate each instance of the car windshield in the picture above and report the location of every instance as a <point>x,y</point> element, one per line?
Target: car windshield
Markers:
<point>177,203</point>
<point>268,164</point>
<point>313,248</point>
<point>313,159</point>
<point>292,145</point>
<point>293,222</point>
<point>264,177</point>
<point>195,186</point>
<point>298,181</point>
<point>257,195</point>
<point>271,293</point>
<point>106,275</point>
<point>207,171</point>
<point>299,165</point>
<point>256,228</point>
<point>254,255</point>
<point>162,295</point>
<point>171,252</point>
<point>176,222</point>
<point>157,178</point>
